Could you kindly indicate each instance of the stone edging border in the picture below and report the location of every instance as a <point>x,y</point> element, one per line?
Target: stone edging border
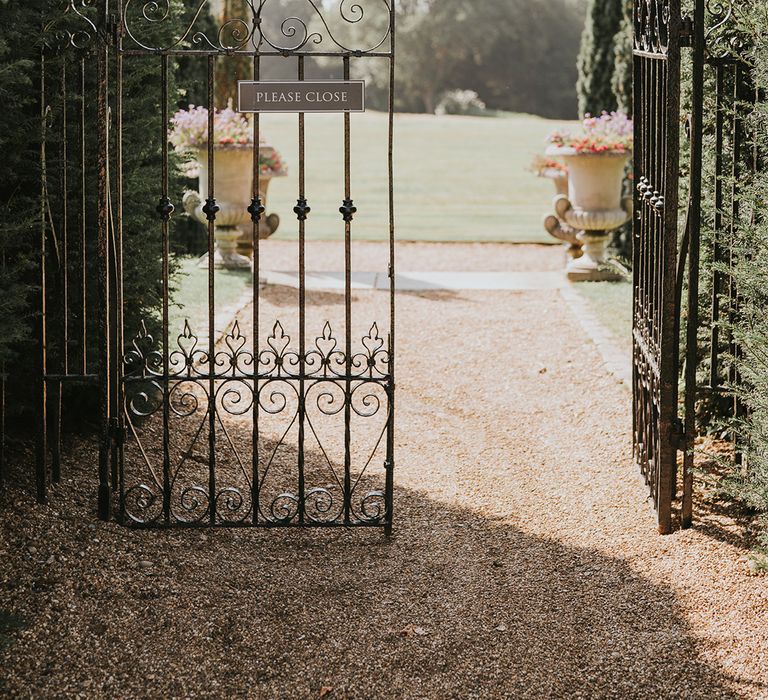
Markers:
<point>616,362</point>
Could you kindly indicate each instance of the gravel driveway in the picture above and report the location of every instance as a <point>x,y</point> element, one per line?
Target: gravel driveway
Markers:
<point>525,561</point>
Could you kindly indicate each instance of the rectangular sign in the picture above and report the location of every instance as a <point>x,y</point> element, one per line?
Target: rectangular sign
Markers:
<point>301,96</point>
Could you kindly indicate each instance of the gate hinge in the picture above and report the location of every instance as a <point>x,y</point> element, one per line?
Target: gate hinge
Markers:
<point>117,431</point>
<point>677,434</point>
<point>686,31</point>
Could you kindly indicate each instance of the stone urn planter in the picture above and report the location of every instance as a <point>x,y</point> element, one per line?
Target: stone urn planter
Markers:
<point>594,206</point>
<point>233,168</point>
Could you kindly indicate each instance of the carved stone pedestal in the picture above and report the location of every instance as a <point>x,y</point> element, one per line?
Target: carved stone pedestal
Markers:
<point>592,266</point>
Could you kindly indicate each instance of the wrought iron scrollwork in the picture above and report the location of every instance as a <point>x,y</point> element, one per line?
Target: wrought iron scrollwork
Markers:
<point>725,38</point>
<point>246,33</point>
<point>142,357</point>
<point>652,25</point>
<point>317,389</point>
<point>188,359</point>
<point>74,28</point>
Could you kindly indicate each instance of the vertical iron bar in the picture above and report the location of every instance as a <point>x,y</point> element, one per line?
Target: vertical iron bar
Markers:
<point>733,305</point>
<point>390,464</point>
<point>637,219</point>
<point>104,504</point>
<point>83,222</point>
<point>166,273</point>
<point>64,287</point>
<point>302,308</point>
<point>41,442</point>
<point>670,343</point>
<point>65,217</point>
<point>256,215</point>
<point>119,253</point>
<point>694,222</point>
<point>211,296</point>
<point>347,315</point>
<point>714,350</point>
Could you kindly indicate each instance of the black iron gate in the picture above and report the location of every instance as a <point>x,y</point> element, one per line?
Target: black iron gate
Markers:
<point>661,255</point>
<point>268,422</point>
<point>666,259</point>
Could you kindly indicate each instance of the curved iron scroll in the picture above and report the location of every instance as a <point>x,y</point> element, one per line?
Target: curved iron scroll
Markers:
<point>652,19</point>
<point>725,38</point>
<point>76,27</point>
<point>141,19</point>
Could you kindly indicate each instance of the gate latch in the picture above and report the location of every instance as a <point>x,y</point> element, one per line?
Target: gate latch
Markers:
<point>686,31</point>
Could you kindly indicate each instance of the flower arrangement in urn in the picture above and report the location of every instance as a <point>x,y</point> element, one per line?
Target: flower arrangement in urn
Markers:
<point>609,133</point>
<point>233,181</point>
<point>596,156</point>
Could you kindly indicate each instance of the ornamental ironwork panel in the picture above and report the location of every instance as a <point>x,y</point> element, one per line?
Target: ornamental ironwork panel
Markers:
<point>735,160</point>
<point>657,42</point>
<point>667,260</point>
<point>287,421</point>
<point>72,225</point>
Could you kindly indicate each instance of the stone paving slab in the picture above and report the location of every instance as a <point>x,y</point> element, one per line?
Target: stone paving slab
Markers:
<point>425,281</point>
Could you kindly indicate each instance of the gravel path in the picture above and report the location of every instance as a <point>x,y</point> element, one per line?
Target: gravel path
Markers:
<point>525,562</point>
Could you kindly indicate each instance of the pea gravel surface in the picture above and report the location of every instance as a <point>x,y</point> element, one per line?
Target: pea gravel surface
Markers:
<point>525,561</point>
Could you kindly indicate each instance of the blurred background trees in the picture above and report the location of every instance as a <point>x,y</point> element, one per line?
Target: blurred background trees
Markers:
<point>597,57</point>
<point>517,55</point>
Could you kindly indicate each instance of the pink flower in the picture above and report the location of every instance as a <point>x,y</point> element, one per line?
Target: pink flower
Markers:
<point>190,131</point>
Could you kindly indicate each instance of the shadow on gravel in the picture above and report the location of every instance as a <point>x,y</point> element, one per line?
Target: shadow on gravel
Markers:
<point>719,515</point>
<point>454,606</point>
<point>284,296</point>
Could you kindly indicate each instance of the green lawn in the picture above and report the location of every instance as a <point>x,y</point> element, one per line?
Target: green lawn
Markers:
<point>611,302</point>
<point>456,178</point>
<point>191,297</point>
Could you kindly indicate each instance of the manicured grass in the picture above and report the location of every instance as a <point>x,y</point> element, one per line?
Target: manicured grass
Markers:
<point>612,304</point>
<point>456,178</point>
<point>191,296</point>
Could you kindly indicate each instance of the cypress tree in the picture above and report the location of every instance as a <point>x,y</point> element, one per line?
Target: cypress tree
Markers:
<point>622,73</point>
<point>20,188</point>
<point>19,173</point>
<point>597,57</point>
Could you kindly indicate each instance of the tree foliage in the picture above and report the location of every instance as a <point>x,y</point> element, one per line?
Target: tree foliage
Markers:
<point>749,266</point>
<point>621,81</point>
<point>597,56</point>
<point>517,55</point>
<point>21,137</point>
<point>19,174</point>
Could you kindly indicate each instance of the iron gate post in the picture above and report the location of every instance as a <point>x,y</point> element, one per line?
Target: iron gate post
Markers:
<point>694,237</point>
<point>41,398</point>
<point>658,28</point>
<point>103,252</point>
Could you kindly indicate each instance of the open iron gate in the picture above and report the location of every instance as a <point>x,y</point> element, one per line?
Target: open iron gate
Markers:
<point>279,425</point>
<point>661,255</point>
